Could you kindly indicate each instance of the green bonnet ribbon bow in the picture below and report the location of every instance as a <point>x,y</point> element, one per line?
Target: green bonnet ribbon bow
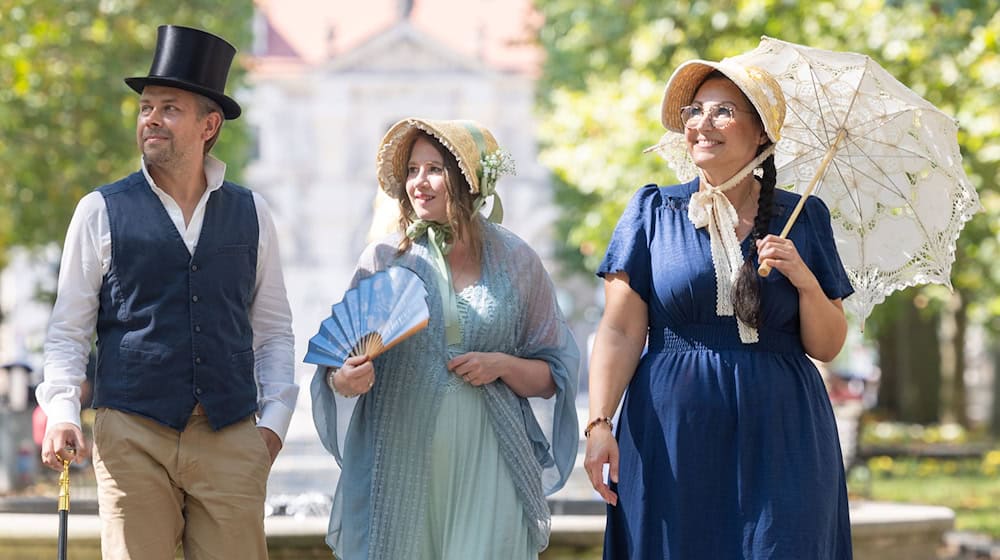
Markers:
<point>490,167</point>
<point>440,236</point>
<point>440,239</point>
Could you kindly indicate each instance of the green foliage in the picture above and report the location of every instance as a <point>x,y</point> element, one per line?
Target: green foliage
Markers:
<point>608,62</point>
<point>67,120</point>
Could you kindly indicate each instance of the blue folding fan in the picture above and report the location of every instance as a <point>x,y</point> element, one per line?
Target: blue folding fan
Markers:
<point>380,312</point>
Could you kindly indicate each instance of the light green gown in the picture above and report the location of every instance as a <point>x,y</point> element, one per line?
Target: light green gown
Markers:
<point>473,509</point>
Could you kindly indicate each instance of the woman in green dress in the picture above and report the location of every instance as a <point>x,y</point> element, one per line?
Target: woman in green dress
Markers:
<point>444,456</point>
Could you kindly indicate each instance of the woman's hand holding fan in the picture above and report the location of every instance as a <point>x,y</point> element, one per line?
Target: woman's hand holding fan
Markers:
<point>355,377</point>
<point>380,312</point>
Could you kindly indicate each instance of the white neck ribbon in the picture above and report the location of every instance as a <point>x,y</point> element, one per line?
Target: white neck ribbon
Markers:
<point>710,208</point>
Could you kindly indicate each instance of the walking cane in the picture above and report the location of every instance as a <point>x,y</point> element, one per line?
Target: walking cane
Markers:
<point>64,503</point>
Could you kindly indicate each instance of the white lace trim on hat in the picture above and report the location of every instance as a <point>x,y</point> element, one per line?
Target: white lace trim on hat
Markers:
<point>389,147</point>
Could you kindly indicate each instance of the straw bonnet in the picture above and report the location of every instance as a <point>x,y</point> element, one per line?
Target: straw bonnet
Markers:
<point>759,86</point>
<point>479,156</point>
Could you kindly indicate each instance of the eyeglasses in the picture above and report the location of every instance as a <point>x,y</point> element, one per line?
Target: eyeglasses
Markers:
<point>720,115</point>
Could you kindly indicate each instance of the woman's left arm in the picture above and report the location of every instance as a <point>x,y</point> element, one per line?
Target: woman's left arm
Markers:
<point>821,319</point>
<point>527,378</point>
<point>546,359</point>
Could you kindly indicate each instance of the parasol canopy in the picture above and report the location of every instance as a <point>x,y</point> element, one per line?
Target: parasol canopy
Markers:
<point>883,159</point>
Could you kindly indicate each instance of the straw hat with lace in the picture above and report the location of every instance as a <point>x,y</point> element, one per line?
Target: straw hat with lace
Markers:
<point>479,157</point>
<point>759,86</point>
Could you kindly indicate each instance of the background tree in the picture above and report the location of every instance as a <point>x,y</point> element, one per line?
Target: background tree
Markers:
<point>67,120</point>
<point>606,68</point>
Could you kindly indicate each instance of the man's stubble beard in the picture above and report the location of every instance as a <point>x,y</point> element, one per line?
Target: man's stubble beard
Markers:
<point>163,157</point>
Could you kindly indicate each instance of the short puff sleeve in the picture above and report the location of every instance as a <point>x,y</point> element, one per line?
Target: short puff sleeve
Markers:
<point>824,259</point>
<point>628,250</point>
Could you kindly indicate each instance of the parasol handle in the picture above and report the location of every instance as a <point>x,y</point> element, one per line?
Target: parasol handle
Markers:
<point>764,269</point>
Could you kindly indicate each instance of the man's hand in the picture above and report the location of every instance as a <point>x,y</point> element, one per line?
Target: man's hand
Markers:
<point>272,441</point>
<point>57,439</point>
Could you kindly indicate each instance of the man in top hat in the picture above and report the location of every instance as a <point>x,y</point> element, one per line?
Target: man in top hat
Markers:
<point>178,271</point>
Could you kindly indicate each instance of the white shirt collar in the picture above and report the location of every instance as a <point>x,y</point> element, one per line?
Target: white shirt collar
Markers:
<point>215,172</point>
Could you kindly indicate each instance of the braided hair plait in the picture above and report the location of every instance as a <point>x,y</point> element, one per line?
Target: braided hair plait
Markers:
<point>746,290</point>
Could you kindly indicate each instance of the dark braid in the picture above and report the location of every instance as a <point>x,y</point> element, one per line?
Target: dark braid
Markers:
<point>746,292</point>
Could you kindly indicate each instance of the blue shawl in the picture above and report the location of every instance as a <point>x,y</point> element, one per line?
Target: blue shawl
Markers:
<point>381,495</point>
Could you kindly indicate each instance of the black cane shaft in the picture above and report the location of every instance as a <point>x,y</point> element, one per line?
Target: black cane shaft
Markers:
<point>63,523</point>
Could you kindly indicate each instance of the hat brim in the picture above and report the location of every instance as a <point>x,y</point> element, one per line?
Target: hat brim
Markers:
<point>680,91</point>
<point>230,108</point>
<point>684,84</point>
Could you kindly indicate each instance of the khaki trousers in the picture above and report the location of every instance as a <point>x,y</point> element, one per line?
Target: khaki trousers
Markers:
<point>158,488</point>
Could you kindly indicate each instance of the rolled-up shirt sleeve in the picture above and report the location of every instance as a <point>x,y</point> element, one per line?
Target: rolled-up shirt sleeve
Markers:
<point>273,341</point>
<point>85,260</point>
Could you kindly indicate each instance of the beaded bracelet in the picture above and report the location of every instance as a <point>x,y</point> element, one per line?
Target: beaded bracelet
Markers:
<point>593,423</point>
<point>330,372</point>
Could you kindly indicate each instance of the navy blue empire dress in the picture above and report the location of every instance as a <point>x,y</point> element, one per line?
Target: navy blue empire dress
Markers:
<point>728,450</point>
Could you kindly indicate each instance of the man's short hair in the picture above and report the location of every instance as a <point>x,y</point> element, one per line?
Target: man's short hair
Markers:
<point>205,107</point>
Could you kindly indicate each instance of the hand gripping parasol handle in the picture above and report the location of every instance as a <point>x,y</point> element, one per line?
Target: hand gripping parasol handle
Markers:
<point>764,269</point>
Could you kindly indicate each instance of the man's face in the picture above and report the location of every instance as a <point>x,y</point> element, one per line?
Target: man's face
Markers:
<point>168,128</point>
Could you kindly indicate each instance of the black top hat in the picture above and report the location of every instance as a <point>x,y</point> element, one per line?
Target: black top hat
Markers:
<point>192,60</point>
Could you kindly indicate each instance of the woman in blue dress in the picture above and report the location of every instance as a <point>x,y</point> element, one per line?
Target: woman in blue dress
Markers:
<point>726,442</point>
<point>444,457</point>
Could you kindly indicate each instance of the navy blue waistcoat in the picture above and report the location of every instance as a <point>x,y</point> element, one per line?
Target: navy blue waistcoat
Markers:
<point>174,329</point>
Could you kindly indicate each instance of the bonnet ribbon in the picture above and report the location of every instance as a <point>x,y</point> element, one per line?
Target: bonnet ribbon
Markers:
<point>438,236</point>
<point>487,184</point>
<point>710,208</point>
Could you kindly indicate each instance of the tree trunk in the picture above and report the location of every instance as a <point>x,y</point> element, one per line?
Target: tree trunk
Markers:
<point>921,395</point>
<point>887,404</point>
<point>910,361</point>
<point>952,334</point>
<point>960,407</point>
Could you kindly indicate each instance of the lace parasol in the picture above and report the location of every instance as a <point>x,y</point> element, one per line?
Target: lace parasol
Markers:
<point>883,159</point>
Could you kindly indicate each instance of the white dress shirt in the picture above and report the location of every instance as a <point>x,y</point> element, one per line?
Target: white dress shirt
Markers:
<point>86,258</point>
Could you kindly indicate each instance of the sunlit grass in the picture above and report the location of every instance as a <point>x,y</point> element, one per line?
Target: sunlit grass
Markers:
<point>971,488</point>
